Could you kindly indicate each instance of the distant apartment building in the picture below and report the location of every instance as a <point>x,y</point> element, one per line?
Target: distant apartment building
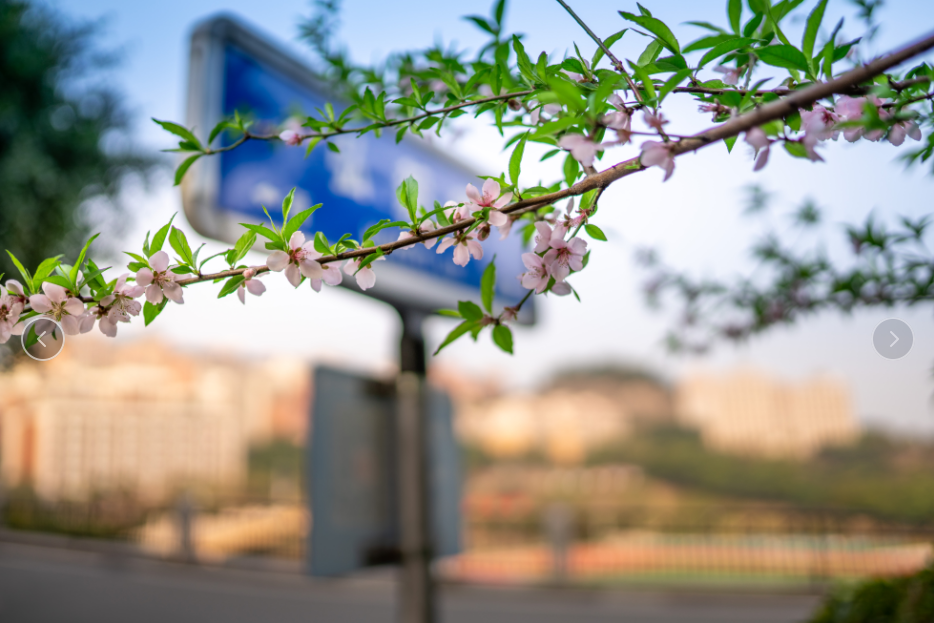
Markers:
<point>142,418</point>
<point>574,415</point>
<point>749,412</point>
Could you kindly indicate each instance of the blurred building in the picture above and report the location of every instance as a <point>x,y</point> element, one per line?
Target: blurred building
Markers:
<point>578,411</point>
<point>142,418</point>
<point>749,412</point>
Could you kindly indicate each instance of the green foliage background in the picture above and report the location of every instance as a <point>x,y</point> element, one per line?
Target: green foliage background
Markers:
<point>55,111</point>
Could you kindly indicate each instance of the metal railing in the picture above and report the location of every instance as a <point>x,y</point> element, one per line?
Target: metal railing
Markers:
<point>510,543</point>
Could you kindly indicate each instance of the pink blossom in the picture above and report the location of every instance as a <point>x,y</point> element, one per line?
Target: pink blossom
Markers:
<point>730,74</point>
<point>57,304</point>
<point>330,274</point>
<point>761,143</point>
<point>582,148</point>
<point>291,138</point>
<point>250,283</point>
<point>113,308</point>
<point>536,278</point>
<point>159,280</point>
<point>465,247</point>
<point>820,123</point>
<point>900,130</point>
<point>561,288</point>
<point>655,153</point>
<point>551,109</point>
<point>424,228</point>
<point>543,234</point>
<point>565,256</point>
<point>851,109</point>
<point>366,277</point>
<point>298,260</point>
<point>489,199</point>
<point>10,309</point>
<point>619,120</point>
<point>654,121</point>
<point>15,290</point>
<point>291,135</point>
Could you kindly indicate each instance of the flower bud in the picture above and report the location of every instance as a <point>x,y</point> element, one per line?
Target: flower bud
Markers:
<point>514,104</point>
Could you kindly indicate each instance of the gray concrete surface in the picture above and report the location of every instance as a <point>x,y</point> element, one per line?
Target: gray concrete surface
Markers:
<point>41,584</point>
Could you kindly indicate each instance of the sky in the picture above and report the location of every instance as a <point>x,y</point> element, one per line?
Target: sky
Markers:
<point>694,219</point>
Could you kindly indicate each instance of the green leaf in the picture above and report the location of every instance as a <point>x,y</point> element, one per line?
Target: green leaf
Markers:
<point>312,143</point>
<point>220,127</point>
<point>183,168</point>
<point>786,56</point>
<point>179,242</point>
<point>407,193</point>
<point>264,231</point>
<point>502,337</point>
<point>321,244</point>
<point>150,311</point>
<point>735,11</point>
<point>729,142</point>
<point>287,205</point>
<point>725,48</point>
<point>57,280</point>
<point>459,330</point>
<point>673,82</point>
<point>650,53</point>
<point>595,232</point>
<point>644,79</point>
<point>657,28</point>
<point>179,130</point>
<point>230,286</point>
<point>22,271</point>
<point>810,30</point>
<point>469,310</point>
<point>796,149</point>
<point>767,5</point>
<point>608,42</point>
<point>450,313</point>
<point>571,170</point>
<point>45,268</point>
<point>84,251</point>
<point>380,226</point>
<point>488,286</point>
<point>295,223</point>
<point>515,160</point>
<point>241,248</point>
<point>705,43</point>
<point>369,259</point>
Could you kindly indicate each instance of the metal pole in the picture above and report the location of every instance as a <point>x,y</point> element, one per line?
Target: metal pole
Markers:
<point>416,597</point>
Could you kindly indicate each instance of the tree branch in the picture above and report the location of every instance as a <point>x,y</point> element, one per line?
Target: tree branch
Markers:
<point>768,112</point>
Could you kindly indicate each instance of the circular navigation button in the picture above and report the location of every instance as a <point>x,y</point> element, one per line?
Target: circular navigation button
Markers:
<point>892,338</point>
<point>43,338</point>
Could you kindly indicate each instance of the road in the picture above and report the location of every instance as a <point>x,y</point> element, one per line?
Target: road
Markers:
<point>40,584</point>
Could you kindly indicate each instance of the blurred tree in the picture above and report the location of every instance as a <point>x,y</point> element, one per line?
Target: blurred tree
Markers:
<point>59,128</point>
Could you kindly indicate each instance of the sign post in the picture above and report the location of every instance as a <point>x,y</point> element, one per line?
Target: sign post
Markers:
<point>394,507</point>
<point>416,583</point>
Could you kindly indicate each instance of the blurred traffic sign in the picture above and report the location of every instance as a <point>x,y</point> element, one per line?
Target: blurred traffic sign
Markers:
<point>232,68</point>
<point>353,474</point>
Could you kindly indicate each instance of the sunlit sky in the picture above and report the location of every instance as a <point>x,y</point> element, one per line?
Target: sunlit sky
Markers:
<point>694,219</point>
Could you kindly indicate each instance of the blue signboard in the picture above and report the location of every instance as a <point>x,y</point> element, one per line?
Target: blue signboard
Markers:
<point>233,69</point>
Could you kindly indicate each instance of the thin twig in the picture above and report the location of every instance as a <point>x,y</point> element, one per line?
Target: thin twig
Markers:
<point>616,62</point>
<point>387,124</point>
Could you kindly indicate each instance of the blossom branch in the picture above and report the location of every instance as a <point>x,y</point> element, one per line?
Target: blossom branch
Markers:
<point>601,180</point>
